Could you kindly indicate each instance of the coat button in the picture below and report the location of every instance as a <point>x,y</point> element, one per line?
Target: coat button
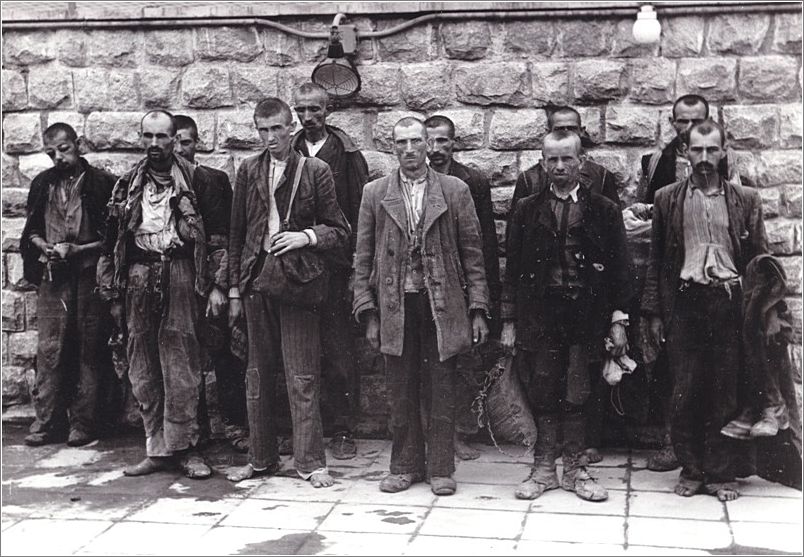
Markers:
<point>389,280</point>
<point>391,252</point>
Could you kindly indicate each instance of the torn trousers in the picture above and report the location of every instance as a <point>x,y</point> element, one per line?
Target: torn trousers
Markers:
<point>163,354</point>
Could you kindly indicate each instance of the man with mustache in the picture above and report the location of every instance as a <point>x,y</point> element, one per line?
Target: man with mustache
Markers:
<point>340,377</point>
<point>658,169</point>
<point>472,365</point>
<point>567,286</point>
<point>705,230</point>
<point>420,289</point>
<point>154,271</point>
<point>60,245</point>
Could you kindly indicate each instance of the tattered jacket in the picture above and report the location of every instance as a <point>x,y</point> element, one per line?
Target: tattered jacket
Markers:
<point>96,190</point>
<point>746,230</point>
<point>125,216</point>
<point>452,258</point>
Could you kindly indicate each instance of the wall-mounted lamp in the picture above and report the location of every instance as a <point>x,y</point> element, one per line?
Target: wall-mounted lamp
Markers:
<point>647,28</point>
<point>337,74</point>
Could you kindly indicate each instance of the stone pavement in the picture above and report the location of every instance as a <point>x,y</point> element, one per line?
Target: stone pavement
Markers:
<point>59,500</point>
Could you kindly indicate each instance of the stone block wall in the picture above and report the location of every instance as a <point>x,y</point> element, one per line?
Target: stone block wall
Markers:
<point>493,78</point>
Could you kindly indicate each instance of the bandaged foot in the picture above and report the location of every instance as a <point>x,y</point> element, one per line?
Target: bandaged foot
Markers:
<point>318,478</point>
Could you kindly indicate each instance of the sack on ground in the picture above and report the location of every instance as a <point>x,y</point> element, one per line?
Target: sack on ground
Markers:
<point>507,408</point>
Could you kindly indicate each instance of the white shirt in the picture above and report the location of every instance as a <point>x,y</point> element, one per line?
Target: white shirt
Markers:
<point>314,148</point>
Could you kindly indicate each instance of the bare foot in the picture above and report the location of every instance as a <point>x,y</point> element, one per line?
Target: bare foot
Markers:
<point>687,488</point>
<point>321,479</point>
<point>464,451</point>
<point>247,472</point>
<point>727,494</point>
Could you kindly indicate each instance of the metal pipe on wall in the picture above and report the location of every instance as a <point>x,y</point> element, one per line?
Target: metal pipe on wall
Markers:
<point>669,9</point>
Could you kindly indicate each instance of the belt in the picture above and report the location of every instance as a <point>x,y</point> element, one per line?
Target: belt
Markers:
<point>727,285</point>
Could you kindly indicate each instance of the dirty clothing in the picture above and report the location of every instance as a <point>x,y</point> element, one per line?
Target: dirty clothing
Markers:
<point>421,394</point>
<point>703,349</point>
<point>562,309</point>
<point>287,337</point>
<point>95,190</point>
<point>451,248</point>
<point>163,354</point>
<point>278,332</point>
<point>161,300</point>
<point>72,321</point>
<point>340,374</point>
<point>702,325</point>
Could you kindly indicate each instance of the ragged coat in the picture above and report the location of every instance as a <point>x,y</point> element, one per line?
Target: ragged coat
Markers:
<point>452,257</point>
<point>125,216</point>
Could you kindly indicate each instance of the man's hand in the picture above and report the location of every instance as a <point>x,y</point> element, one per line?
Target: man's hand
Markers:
<point>216,303</point>
<point>373,329</point>
<point>619,339</point>
<point>480,330</point>
<point>116,310</point>
<point>235,311</point>
<point>288,241</point>
<point>65,250</point>
<point>44,246</point>
<point>508,335</point>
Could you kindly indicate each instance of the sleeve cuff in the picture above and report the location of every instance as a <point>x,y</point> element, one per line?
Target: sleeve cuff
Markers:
<point>234,293</point>
<point>311,235</point>
<point>618,316</point>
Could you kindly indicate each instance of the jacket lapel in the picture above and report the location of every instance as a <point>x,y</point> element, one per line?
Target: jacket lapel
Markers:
<point>434,203</point>
<point>544,214</point>
<point>677,214</point>
<point>262,179</point>
<point>393,203</point>
<point>290,169</point>
<point>735,211</point>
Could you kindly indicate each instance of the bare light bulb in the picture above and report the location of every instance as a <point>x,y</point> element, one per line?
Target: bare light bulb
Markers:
<point>647,28</point>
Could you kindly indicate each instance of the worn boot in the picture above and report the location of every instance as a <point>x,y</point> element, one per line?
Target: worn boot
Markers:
<point>576,478</point>
<point>543,475</point>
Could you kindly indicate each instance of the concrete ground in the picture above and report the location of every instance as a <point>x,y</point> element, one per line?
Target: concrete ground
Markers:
<point>59,500</point>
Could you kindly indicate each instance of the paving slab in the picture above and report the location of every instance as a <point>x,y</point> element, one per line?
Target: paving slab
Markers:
<point>59,500</point>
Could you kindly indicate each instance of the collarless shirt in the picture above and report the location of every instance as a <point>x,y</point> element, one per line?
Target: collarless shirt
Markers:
<point>708,252</point>
<point>276,169</point>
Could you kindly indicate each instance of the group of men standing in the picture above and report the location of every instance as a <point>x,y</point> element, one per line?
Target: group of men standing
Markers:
<point>177,258</point>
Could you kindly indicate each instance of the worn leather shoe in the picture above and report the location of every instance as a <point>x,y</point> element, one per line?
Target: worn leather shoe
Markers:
<point>394,483</point>
<point>443,485</point>
<point>583,485</point>
<point>194,467</point>
<point>149,465</point>
<point>79,438</point>
<point>41,438</point>
<point>536,484</point>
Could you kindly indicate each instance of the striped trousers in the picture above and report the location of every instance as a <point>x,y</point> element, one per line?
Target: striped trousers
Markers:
<point>279,335</point>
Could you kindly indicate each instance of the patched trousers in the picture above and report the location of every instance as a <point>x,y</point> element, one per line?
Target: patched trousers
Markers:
<point>281,334</point>
<point>163,354</point>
